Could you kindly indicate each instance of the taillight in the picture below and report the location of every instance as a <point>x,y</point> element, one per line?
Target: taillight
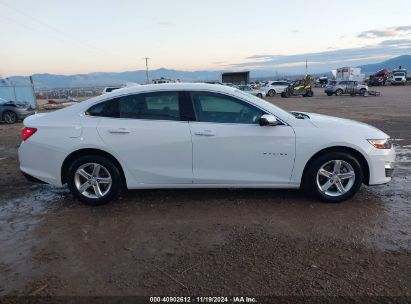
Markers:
<point>27,132</point>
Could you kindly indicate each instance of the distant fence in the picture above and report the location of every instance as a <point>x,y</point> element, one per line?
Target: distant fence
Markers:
<point>18,93</point>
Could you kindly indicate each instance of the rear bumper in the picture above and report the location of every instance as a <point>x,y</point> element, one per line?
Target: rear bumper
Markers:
<point>41,162</point>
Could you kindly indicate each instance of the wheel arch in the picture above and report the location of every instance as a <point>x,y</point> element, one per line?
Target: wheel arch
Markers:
<point>357,154</point>
<point>88,151</point>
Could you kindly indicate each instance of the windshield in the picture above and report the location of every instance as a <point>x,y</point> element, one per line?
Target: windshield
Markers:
<point>399,74</point>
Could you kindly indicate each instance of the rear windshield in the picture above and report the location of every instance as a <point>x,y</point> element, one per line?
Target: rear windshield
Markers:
<point>333,82</point>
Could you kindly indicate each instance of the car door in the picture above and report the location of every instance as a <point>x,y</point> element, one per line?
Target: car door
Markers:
<point>344,87</point>
<point>230,147</point>
<point>150,137</point>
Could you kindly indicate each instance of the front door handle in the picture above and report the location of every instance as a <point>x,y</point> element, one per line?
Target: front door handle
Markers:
<point>119,131</point>
<point>205,133</point>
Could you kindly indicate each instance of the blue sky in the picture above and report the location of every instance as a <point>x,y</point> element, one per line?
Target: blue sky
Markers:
<point>70,37</point>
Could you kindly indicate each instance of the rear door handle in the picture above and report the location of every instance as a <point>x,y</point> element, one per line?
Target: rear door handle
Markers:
<point>205,133</point>
<point>119,131</point>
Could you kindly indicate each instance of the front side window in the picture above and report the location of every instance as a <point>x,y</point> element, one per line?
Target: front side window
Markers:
<point>218,108</point>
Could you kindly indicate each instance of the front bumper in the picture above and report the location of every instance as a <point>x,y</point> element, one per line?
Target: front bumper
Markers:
<point>381,165</point>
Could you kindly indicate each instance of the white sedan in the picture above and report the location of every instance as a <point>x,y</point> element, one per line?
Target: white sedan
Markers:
<point>184,135</point>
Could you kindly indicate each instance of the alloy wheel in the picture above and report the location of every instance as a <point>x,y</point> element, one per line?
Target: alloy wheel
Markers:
<point>93,180</point>
<point>335,178</point>
<point>9,117</point>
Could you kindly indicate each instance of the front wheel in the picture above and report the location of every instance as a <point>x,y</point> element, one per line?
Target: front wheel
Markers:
<point>271,93</point>
<point>94,180</point>
<point>334,177</point>
<point>363,91</point>
<point>339,92</point>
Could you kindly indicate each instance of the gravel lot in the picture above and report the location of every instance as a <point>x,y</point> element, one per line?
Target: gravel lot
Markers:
<point>214,242</point>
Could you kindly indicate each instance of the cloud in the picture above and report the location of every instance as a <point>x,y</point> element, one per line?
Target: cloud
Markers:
<point>378,33</point>
<point>329,59</point>
<point>404,28</point>
<point>396,42</point>
<point>386,32</point>
<point>165,23</point>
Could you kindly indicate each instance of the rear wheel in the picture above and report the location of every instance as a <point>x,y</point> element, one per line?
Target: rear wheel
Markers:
<point>94,180</point>
<point>334,177</point>
<point>309,93</point>
<point>259,95</point>
<point>272,93</point>
<point>10,117</point>
<point>339,92</point>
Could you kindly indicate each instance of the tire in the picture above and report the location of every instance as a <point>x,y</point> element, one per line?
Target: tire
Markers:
<point>331,182</point>
<point>271,93</point>
<point>329,94</point>
<point>309,94</point>
<point>260,95</point>
<point>108,172</point>
<point>283,95</point>
<point>363,91</point>
<point>10,117</point>
<point>338,92</point>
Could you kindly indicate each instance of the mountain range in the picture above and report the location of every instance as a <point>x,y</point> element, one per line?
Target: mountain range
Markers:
<point>101,79</point>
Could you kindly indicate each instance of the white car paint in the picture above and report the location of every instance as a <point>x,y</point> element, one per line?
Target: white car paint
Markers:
<point>182,154</point>
<point>277,86</point>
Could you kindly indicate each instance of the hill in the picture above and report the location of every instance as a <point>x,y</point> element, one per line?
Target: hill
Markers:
<point>404,61</point>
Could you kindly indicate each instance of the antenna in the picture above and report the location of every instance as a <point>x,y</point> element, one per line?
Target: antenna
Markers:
<point>147,78</point>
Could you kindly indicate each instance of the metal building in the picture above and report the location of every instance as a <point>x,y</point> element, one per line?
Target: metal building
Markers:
<point>236,77</point>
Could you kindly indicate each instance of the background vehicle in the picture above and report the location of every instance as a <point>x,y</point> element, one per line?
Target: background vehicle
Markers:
<point>299,88</point>
<point>344,87</point>
<point>139,138</point>
<point>255,92</point>
<point>274,87</point>
<point>109,89</point>
<point>398,76</point>
<point>321,82</point>
<point>379,78</point>
<point>12,111</point>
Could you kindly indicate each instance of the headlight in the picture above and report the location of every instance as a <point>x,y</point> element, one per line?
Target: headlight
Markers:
<point>381,143</point>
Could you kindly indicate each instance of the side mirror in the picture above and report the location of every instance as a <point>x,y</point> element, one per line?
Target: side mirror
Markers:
<point>268,120</point>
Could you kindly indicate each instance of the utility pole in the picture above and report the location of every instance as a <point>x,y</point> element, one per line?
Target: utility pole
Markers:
<point>306,67</point>
<point>147,79</point>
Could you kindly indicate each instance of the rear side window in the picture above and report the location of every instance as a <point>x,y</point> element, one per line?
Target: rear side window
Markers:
<point>105,109</point>
<point>157,106</point>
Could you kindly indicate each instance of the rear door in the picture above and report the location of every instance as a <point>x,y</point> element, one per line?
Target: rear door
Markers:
<point>230,147</point>
<point>148,133</point>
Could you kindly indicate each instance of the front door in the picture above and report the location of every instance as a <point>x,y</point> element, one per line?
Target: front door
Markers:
<point>230,147</point>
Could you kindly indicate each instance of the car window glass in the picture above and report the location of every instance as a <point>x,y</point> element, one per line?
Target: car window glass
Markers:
<point>213,107</point>
<point>104,109</point>
<point>158,105</point>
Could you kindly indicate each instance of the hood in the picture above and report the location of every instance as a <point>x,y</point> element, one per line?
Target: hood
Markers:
<point>346,125</point>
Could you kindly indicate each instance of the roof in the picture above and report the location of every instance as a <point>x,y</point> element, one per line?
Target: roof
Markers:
<point>182,86</point>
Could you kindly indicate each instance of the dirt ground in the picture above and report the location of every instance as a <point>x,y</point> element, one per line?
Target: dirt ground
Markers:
<point>214,242</point>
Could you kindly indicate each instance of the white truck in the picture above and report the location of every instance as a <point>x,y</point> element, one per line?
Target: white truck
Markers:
<point>398,76</point>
